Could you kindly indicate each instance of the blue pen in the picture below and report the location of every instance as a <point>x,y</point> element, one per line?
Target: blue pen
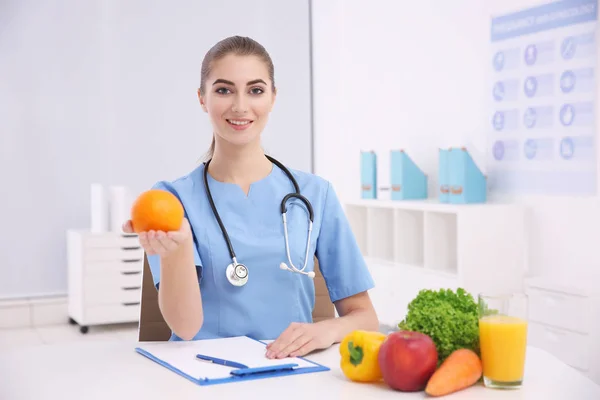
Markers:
<point>219,361</point>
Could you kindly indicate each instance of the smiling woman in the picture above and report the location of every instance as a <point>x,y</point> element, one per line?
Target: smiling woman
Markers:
<point>238,58</point>
<point>243,203</point>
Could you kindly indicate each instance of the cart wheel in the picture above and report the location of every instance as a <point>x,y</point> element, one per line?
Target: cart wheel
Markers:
<point>83,329</point>
<point>72,321</point>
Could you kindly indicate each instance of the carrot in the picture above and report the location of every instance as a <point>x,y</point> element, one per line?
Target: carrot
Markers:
<point>460,370</point>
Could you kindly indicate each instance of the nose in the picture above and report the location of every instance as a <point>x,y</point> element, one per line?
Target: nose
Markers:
<point>239,104</point>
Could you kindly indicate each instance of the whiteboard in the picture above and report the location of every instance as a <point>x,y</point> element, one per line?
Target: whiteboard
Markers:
<point>543,96</point>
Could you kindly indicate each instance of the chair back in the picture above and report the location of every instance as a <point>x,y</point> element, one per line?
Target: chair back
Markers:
<point>153,328</point>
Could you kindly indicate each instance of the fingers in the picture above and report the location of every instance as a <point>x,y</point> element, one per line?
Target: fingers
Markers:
<point>300,339</point>
<point>295,346</point>
<point>274,347</point>
<point>149,244</point>
<point>166,244</point>
<point>127,227</point>
<point>306,348</point>
<point>176,237</point>
<point>157,243</point>
<point>160,242</point>
<point>143,238</point>
<point>287,337</point>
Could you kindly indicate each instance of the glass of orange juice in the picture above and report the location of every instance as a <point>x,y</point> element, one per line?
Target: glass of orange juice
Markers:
<point>503,339</point>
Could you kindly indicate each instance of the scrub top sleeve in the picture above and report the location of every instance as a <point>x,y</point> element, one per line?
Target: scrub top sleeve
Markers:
<point>340,259</point>
<point>154,264</point>
<point>154,260</point>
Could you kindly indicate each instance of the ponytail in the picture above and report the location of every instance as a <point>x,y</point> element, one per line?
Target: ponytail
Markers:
<point>211,150</point>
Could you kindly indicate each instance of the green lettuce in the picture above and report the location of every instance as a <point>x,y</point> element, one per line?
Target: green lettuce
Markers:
<point>450,318</point>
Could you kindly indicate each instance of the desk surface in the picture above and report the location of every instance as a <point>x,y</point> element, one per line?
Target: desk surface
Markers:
<point>113,370</point>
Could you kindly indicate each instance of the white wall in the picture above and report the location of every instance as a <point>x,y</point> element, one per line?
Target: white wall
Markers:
<point>105,91</point>
<point>386,97</point>
<point>373,90</point>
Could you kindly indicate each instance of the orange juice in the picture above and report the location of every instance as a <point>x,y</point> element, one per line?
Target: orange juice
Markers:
<point>503,342</point>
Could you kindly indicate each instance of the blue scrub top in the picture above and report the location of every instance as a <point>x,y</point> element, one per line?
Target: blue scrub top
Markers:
<point>272,298</point>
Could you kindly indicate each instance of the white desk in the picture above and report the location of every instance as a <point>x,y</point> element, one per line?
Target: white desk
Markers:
<point>113,370</point>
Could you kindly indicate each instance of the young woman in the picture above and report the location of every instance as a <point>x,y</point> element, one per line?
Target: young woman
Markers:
<point>221,274</point>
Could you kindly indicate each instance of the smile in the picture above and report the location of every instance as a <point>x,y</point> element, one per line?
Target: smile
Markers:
<point>239,123</point>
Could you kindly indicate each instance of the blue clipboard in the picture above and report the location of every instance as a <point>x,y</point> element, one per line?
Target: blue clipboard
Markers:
<point>241,374</point>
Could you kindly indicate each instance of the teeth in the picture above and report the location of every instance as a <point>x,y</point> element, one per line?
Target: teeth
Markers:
<point>238,122</point>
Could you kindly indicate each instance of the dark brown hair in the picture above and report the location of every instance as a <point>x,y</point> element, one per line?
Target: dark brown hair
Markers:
<point>238,45</point>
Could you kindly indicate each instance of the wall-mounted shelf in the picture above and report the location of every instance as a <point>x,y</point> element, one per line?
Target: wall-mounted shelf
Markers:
<point>480,246</point>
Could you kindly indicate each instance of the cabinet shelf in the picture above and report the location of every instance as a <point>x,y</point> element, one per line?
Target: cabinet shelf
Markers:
<point>482,246</point>
<point>380,228</point>
<point>441,241</point>
<point>406,236</point>
<point>408,239</point>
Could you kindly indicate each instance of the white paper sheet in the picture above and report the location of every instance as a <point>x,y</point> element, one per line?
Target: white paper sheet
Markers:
<point>243,350</point>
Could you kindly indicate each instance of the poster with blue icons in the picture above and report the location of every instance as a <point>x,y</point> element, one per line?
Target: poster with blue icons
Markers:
<point>543,93</point>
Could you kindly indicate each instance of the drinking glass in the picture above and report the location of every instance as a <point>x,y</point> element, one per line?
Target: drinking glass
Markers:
<point>503,338</point>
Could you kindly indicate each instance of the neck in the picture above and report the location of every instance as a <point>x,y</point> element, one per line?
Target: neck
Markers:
<point>240,165</point>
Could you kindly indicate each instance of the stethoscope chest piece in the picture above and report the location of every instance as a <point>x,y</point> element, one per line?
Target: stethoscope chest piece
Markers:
<point>237,274</point>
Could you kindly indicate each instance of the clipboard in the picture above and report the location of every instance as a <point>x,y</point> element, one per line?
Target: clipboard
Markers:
<point>238,359</point>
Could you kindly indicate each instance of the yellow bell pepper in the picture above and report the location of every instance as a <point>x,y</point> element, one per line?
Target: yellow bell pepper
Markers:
<point>359,351</point>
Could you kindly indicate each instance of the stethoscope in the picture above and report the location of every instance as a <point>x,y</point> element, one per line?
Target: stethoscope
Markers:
<point>237,273</point>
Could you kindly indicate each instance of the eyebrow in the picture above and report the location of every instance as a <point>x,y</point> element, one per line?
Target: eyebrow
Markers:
<point>253,82</point>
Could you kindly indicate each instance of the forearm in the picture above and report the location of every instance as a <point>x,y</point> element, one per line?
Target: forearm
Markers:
<point>357,319</point>
<point>179,292</point>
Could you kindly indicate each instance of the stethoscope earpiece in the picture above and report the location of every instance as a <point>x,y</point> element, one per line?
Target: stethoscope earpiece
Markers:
<point>284,266</point>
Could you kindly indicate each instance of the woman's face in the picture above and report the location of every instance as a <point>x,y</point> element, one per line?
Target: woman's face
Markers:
<point>238,99</point>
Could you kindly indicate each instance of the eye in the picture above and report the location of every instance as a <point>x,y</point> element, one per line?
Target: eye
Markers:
<point>257,90</point>
<point>223,90</point>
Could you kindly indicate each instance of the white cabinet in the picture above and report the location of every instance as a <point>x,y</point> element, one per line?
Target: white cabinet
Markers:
<point>564,315</point>
<point>104,278</point>
<point>414,245</point>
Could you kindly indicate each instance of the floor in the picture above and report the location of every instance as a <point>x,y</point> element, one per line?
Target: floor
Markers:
<point>13,338</point>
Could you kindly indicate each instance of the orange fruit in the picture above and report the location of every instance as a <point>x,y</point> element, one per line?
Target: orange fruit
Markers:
<point>156,210</point>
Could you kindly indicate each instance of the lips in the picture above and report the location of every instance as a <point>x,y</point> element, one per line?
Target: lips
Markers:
<point>239,124</point>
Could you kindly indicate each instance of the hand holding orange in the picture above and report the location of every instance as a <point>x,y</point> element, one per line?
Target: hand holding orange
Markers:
<point>157,216</point>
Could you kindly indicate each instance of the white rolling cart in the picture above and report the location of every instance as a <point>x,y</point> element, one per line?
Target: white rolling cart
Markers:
<point>104,278</point>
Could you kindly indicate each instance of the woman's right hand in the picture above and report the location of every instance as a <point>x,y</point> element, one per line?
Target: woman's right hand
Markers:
<point>159,242</point>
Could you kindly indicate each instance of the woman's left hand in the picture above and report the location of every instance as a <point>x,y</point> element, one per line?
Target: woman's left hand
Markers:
<point>300,339</point>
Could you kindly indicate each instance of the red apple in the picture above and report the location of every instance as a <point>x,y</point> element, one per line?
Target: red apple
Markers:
<point>407,360</point>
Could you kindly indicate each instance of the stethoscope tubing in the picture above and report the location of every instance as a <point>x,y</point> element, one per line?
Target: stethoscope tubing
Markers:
<point>217,216</point>
<point>283,210</point>
<point>287,245</point>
